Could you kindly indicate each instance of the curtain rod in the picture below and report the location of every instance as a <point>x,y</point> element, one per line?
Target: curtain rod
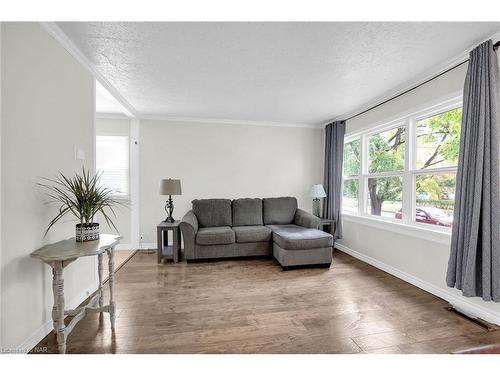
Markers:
<point>495,46</point>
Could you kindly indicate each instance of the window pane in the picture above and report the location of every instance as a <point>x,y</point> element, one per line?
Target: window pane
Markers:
<point>435,199</point>
<point>352,158</point>
<point>385,196</point>
<point>112,161</point>
<point>438,140</point>
<point>387,151</point>
<point>350,196</point>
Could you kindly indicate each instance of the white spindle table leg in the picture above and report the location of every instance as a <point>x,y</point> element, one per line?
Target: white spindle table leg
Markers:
<point>58,285</point>
<point>54,291</point>
<point>111,264</point>
<point>100,270</point>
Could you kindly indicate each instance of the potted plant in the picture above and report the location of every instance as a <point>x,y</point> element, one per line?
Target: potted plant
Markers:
<point>82,196</point>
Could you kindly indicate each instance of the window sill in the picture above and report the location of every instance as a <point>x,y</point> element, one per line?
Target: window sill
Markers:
<point>420,232</point>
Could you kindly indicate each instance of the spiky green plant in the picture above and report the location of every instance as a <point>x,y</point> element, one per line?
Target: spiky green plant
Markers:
<point>82,196</point>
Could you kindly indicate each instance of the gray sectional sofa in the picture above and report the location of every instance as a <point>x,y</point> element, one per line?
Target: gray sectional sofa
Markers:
<point>221,228</point>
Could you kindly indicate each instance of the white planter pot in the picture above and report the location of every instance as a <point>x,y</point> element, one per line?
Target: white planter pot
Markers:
<point>87,232</point>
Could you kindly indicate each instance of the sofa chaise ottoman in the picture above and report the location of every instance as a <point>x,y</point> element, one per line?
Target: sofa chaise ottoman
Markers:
<point>221,228</point>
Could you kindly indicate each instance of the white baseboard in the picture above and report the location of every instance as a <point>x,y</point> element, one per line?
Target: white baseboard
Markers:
<point>148,245</point>
<point>47,327</point>
<point>458,302</point>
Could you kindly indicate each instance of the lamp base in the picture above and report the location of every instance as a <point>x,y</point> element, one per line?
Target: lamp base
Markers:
<point>169,209</point>
<point>316,207</point>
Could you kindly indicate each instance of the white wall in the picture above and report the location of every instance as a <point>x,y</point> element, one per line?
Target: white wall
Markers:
<point>106,126</point>
<point>225,161</point>
<point>47,110</point>
<point>418,260</point>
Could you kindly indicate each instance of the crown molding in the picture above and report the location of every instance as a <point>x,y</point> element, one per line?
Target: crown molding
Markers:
<point>229,121</point>
<point>411,84</point>
<point>111,116</point>
<point>59,35</point>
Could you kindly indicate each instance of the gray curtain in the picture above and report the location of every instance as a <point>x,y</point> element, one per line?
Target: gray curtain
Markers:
<point>334,156</point>
<point>474,265</point>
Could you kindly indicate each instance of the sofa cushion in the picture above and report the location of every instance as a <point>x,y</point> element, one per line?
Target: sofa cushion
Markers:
<point>294,237</point>
<point>215,236</point>
<point>247,211</point>
<point>252,233</point>
<point>279,210</point>
<point>212,212</point>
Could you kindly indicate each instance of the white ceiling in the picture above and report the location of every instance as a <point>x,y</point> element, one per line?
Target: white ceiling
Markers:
<point>278,72</point>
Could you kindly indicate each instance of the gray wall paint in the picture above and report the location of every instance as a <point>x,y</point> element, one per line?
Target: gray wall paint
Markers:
<point>225,161</point>
<point>48,109</point>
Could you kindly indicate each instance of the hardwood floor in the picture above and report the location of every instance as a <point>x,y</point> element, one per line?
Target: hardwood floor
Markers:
<point>252,306</point>
<point>121,257</point>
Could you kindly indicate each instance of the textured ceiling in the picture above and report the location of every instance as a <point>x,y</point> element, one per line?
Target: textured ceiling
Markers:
<point>280,72</point>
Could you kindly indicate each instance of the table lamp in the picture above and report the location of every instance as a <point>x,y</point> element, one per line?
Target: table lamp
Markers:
<point>317,192</point>
<point>170,187</point>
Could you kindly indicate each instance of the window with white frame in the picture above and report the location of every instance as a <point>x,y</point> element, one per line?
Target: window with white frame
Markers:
<point>405,171</point>
<point>112,161</point>
<point>352,170</point>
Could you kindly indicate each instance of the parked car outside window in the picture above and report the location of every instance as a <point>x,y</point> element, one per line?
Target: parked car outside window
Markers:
<point>430,215</point>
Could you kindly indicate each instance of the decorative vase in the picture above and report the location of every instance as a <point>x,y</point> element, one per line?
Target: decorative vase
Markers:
<point>87,232</point>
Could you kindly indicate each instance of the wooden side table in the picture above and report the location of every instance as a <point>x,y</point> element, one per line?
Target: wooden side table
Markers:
<point>165,251</point>
<point>327,223</point>
<point>58,256</point>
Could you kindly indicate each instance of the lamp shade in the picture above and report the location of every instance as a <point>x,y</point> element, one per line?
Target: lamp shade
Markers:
<point>317,191</point>
<point>170,187</point>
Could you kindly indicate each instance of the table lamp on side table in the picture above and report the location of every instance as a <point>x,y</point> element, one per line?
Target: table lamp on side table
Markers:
<point>170,187</point>
<point>317,192</point>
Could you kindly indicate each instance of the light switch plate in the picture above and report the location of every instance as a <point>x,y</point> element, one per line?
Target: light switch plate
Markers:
<point>79,153</point>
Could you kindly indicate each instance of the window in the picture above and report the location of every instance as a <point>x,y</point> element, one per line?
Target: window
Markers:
<point>405,171</point>
<point>350,200</point>
<point>438,140</point>
<point>387,151</point>
<point>385,196</point>
<point>112,161</point>
<point>386,161</point>
<point>352,158</point>
<point>437,148</point>
<point>352,169</point>
<point>435,196</point>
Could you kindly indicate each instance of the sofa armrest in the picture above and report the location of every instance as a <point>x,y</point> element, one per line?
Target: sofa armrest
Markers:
<point>305,219</point>
<point>189,227</point>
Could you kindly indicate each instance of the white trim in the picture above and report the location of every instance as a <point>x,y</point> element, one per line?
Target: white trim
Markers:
<point>59,35</point>
<point>428,234</point>
<point>228,121</point>
<point>37,336</point>
<point>111,116</point>
<point>460,303</point>
<point>149,246</point>
<point>408,85</point>
<point>134,183</point>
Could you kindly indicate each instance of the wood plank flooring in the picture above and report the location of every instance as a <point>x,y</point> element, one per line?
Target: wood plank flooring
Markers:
<point>121,257</point>
<point>252,306</point>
